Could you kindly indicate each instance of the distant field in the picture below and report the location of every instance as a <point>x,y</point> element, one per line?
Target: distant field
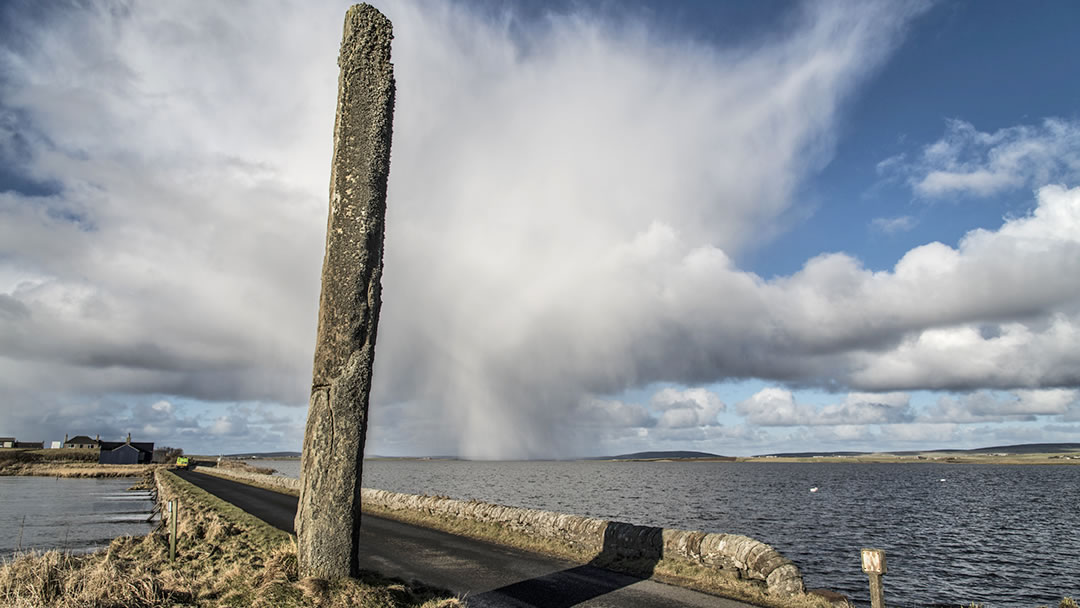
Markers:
<point>66,462</point>
<point>1062,458</point>
<point>8,455</point>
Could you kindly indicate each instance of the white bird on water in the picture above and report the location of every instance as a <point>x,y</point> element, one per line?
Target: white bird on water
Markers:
<point>813,489</point>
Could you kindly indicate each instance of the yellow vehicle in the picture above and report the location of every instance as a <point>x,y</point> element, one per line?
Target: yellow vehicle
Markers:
<point>182,462</point>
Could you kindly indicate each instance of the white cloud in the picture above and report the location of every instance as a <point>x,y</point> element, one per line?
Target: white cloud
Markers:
<point>565,208</point>
<point>967,161</point>
<point>687,408</point>
<point>1018,354</point>
<point>892,225</point>
<point>609,413</point>
<point>891,416</point>
<point>777,407</point>
<point>985,406</point>
<point>669,408</point>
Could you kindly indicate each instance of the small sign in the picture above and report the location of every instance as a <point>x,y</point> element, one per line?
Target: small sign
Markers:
<point>873,561</point>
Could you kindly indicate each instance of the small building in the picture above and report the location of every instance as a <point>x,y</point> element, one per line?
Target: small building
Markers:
<point>7,442</point>
<point>82,442</point>
<point>32,445</point>
<point>56,445</point>
<point>126,452</point>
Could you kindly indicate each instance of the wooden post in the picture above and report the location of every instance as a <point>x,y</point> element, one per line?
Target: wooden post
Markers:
<point>873,564</point>
<point>174,514</point>
<point>18,545</point>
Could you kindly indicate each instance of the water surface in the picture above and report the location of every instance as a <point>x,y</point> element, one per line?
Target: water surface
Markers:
<point>76,515</point>
<point>953,534</point>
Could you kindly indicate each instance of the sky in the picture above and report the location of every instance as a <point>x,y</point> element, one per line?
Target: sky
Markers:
<point>739,227</point>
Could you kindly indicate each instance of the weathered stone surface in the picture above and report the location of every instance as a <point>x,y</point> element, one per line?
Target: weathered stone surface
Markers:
<point>328,517</point>
<point>731,554</point>
<point>785,580</point>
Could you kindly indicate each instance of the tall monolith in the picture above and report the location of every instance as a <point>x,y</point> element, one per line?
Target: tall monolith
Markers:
<point>328,517</point>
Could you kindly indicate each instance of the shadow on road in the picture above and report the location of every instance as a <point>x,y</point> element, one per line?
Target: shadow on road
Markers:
<point>631,548</point>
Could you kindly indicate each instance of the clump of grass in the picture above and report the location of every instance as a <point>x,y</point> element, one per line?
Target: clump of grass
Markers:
<point>58,455</point>
<point>240,465</point>
<point>83,470</point>
<point>225,557</point>
<point>20,461</point>
<point>60,579</point>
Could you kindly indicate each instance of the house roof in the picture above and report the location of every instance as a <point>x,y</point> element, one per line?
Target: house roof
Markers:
<point>80,439</point>
<point>7,439</point>
<point>141,446</point>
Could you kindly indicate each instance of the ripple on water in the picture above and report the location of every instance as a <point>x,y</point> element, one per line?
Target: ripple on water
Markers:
<point>72,514</point>
<point>986,534</point>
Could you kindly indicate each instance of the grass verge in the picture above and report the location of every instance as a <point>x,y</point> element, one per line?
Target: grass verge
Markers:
<point>225,557</point>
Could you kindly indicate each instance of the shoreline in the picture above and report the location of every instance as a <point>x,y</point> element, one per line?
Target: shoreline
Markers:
<point>77,470</point>
<point>1065,459</point>
<point>225,557</point>
<point>1044,459</point>
<point>80,471</point>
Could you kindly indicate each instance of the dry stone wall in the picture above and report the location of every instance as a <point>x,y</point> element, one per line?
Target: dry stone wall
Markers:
<point>738,556</point>
<point>288,484</point>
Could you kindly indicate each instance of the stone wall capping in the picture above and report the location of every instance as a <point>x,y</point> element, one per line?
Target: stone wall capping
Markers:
<point>731,554</point>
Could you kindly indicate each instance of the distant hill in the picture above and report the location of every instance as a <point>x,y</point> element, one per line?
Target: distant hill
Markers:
<point>1030,448</point>
<point>264,455</point>
<point>378,457</point>
<point>660,456</point>
<point>1024,448</point>
<point>244,455</point>
<point>816,454</point>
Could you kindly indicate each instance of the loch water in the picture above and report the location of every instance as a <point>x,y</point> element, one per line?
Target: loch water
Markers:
<point>1001,536</point>
<point>77,515</point>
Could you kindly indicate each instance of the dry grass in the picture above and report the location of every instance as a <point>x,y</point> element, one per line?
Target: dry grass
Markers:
<point>935,458</point>
<point>59,455</point>
<point>77,469</point>
<point>225,557</point>
<point>65,462</point>
<point>240,465</point>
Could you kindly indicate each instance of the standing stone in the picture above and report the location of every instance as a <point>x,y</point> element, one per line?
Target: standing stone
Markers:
<point>328,517</point>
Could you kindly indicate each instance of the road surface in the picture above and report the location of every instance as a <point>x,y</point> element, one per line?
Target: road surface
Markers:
<point>485,574</point>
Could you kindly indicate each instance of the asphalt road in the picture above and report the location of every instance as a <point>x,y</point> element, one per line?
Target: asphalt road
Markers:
<point>485,574</point>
